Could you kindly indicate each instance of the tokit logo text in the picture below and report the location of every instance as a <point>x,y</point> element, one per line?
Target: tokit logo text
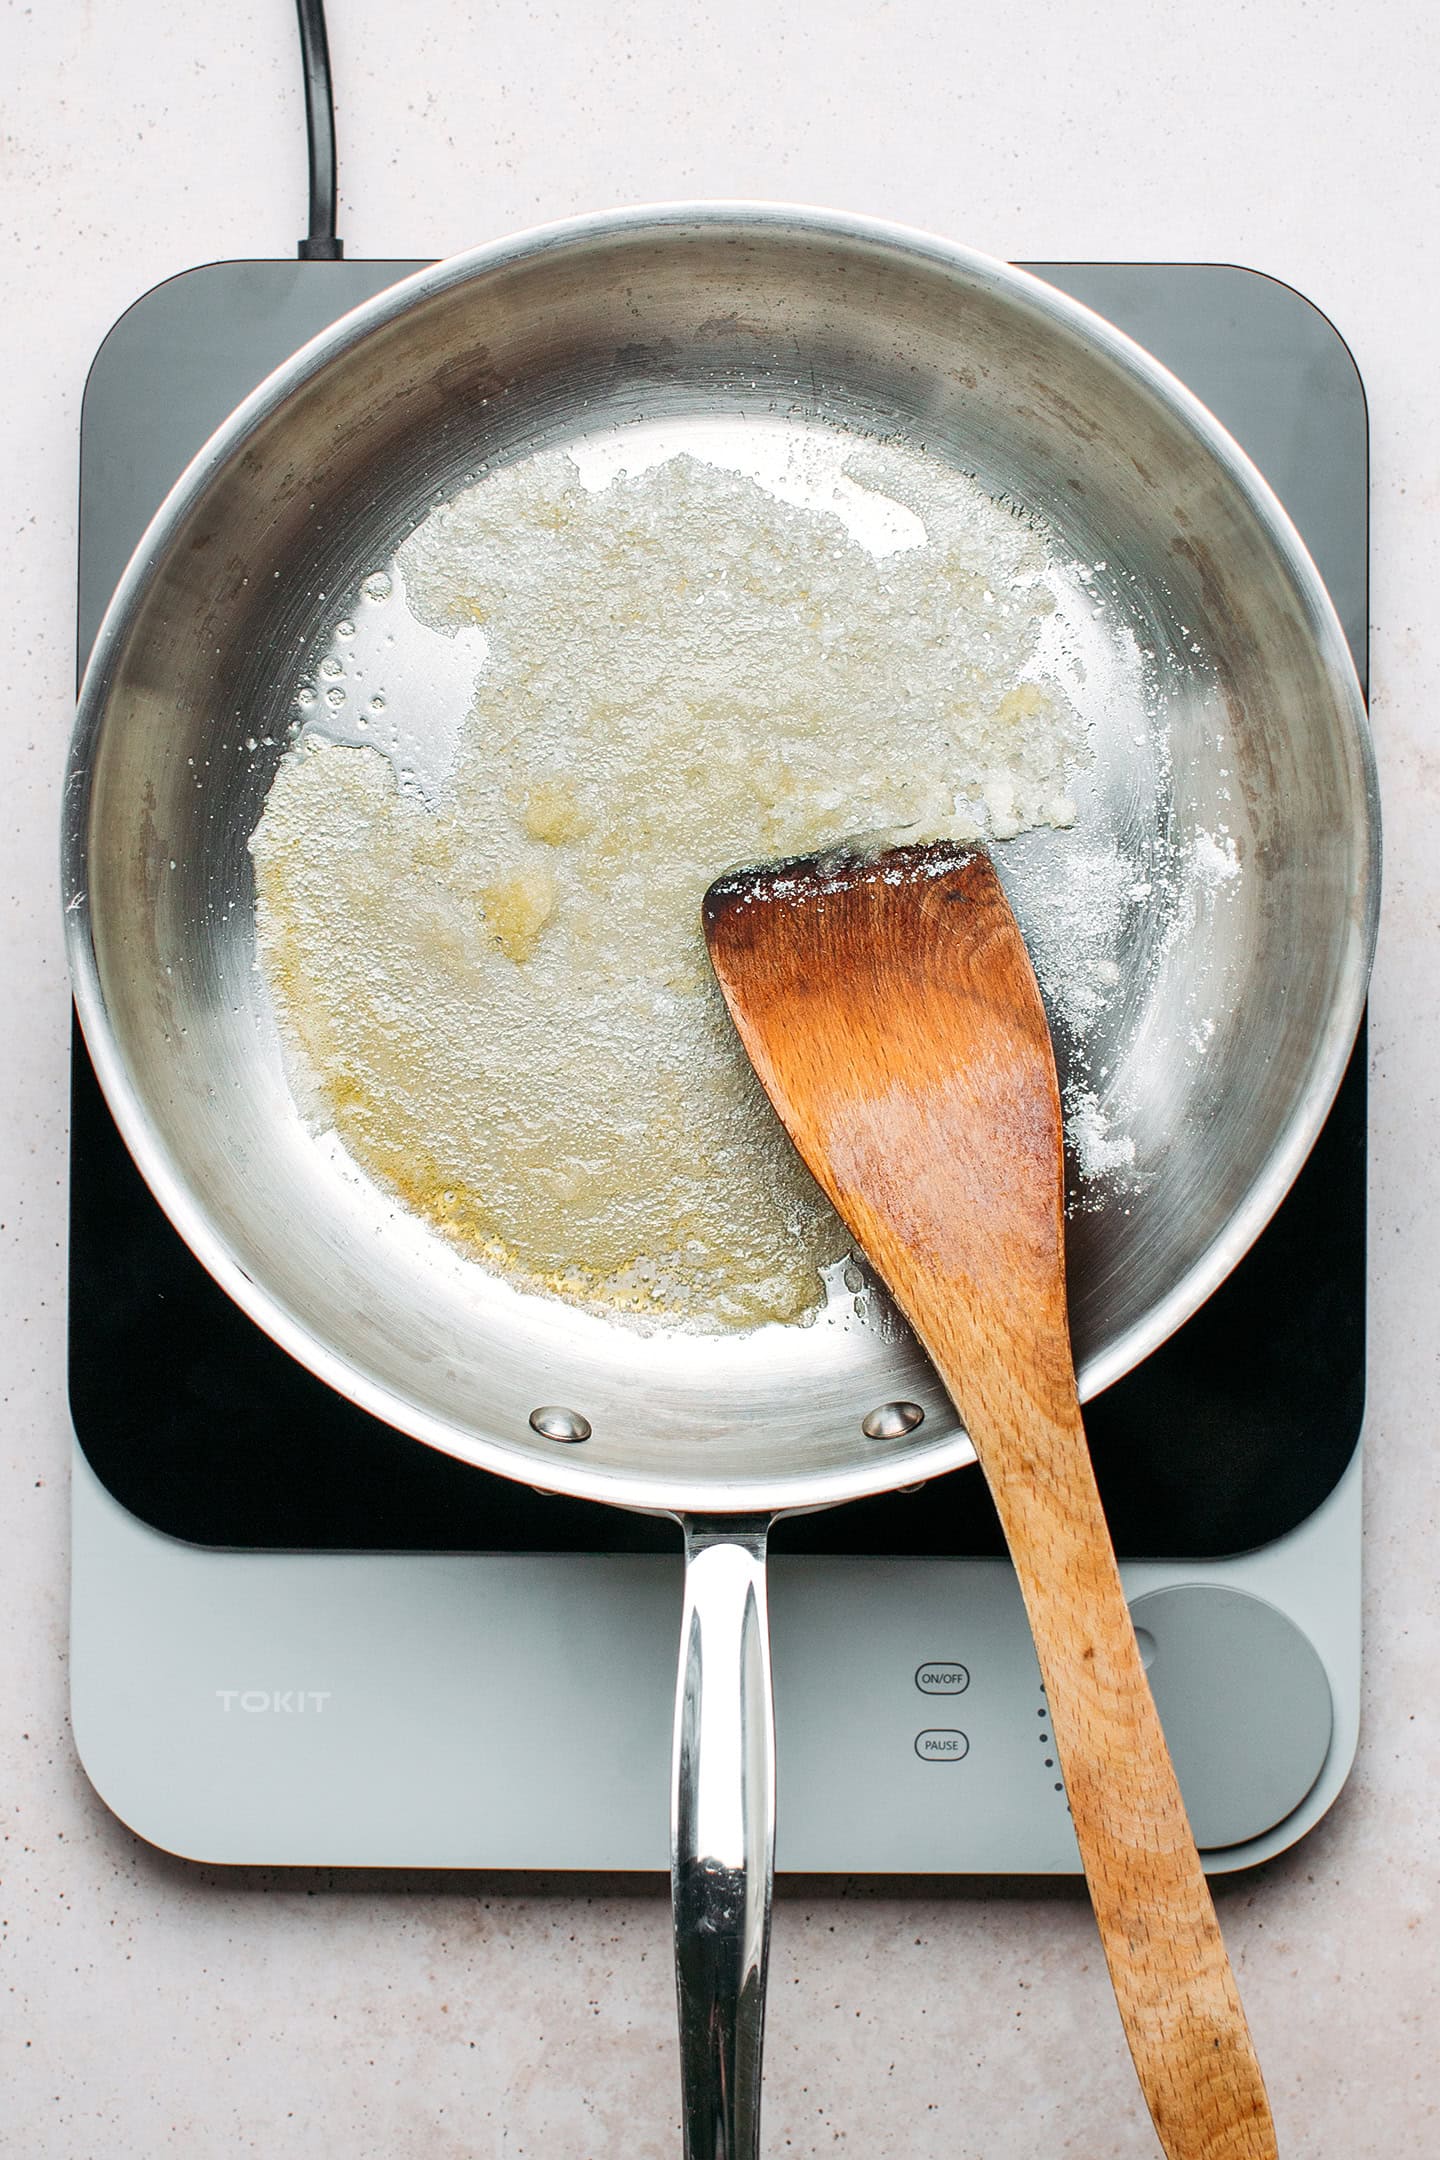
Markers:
<point>284,1702</point>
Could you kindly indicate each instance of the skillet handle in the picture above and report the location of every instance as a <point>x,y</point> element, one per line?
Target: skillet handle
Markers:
<point>722,1865</point>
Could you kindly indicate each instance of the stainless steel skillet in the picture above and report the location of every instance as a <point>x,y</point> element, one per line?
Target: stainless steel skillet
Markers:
<point>1252,755</point>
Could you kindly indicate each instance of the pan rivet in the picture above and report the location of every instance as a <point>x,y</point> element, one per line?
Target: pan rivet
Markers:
<point>554,1423</point>
<point>892,1421</point>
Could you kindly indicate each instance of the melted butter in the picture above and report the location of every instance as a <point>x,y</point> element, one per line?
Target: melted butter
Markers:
<point>498,994</point>
<point>517,908</point>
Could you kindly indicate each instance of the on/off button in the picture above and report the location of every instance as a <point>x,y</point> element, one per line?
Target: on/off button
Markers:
<point>938,1746</point>
<point>942,1676</point>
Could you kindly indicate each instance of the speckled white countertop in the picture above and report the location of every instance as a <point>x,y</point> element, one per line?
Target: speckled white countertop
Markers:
<point>153,2007</point>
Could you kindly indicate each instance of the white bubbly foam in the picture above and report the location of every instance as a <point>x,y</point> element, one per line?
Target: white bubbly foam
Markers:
<point>490,977</point>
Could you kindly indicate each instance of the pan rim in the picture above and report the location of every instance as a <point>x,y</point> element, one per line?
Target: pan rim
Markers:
<point>569,1475</point>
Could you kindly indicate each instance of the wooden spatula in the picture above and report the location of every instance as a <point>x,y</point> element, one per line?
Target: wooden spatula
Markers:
<point>891,1012</point>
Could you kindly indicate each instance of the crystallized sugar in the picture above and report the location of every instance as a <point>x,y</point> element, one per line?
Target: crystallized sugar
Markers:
<point>497,992</point>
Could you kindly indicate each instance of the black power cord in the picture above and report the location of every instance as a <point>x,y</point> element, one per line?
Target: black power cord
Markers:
<point>320,243</point>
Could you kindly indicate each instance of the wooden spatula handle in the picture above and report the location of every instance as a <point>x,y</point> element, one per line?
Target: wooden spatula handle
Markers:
<point>890,1009</point>
<point>1177,1997</point>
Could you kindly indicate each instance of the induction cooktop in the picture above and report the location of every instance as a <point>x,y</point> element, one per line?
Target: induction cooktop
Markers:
<point>301,1637</point>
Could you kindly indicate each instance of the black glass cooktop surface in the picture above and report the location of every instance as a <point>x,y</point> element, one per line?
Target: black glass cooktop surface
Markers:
<point>1227,1436</point>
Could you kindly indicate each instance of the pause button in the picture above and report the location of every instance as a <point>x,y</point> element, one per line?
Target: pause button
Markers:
<point>942,1746</point>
